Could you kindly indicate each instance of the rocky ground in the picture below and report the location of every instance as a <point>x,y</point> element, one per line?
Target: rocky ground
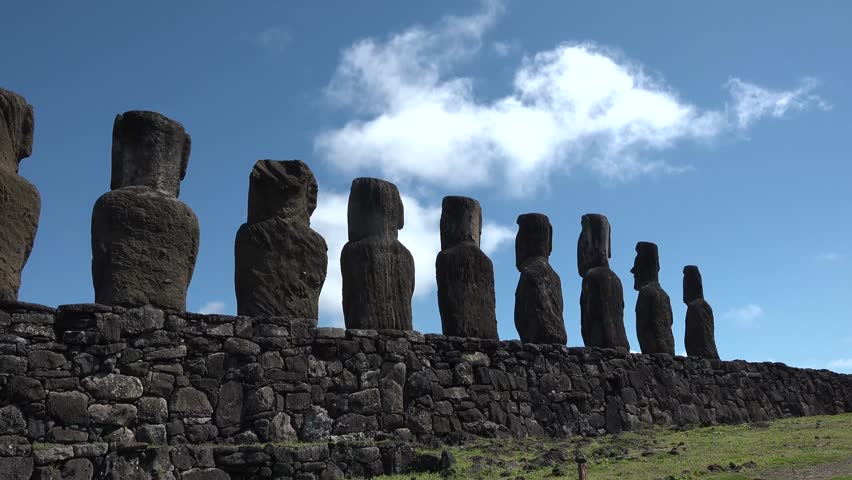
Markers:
<point>801,448</point>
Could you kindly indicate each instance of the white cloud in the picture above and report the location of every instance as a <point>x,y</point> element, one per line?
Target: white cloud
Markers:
<point>421,235</point>
<point>274,39</point>
<point>503,49</point>
<point>830,257</point>
<point>752,102</point>
<point>745,316</point>
<point>841,365</point>
<point>577,105</point>
<point>213,307</point>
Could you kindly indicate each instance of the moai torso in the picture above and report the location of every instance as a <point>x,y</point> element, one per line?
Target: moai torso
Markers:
<point>465,275</point>
<point>602,297</point>
<point>700,337</point>
<point>280,262</point>
<point>538,298</point>
<point>377,270</point>
<point>145,240</point>
<point>20,203</point>
<point>653,306</point>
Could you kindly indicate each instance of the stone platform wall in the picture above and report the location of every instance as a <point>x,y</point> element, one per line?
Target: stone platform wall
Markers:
<point>103,380</point>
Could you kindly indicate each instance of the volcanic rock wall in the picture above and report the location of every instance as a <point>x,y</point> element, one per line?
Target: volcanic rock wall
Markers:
<point>107,389</point>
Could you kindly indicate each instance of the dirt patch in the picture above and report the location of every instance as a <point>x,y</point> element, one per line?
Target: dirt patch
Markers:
<point>826,471</point>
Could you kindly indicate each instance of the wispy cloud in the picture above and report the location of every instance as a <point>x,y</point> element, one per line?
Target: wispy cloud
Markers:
<point>830,257</point>
<point>575,106</point>
<point>503,49</point>
<point>274,40</point>
<point>421,235</point>
<point>213,307</point>
<point>841,365</point>
<point>753,102</point>
<point>745,316</point>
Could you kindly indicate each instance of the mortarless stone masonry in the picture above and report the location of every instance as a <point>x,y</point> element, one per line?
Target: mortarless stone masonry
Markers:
<point>144,391</point>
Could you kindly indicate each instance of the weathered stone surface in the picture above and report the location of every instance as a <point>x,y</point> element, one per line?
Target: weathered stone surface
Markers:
<point>152,409</point>
<point>281,262</point>
<point>78,469</point>
<point>538,298</point>
<point>149,150</point>
<point>121,414</point>
<point>16,468</point>
<point>205,474</point>
<point>11,420</point>
<point>653,306</point>
<point>22,390</point>
<point>465,274</point>
<point>69,408</point>
<point>602,296</point>
<point>700,338</point>
<point>144,240</point>
<point>378,271</point>
<point>20,203</point>
<point>190,402</point>
<point>114,387</point>
<point>229,410</point>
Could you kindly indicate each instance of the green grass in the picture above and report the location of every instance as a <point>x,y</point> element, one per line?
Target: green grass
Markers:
<point>777,449</point>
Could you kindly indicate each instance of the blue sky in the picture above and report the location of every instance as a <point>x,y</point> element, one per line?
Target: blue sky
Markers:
<point>720,132</point>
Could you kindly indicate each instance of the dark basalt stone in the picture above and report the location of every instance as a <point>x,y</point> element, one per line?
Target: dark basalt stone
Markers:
<point>538,298</point>
<point>602,296</point>
<point>377,270</point>
<point>465,275</point>
<point>280,262</point>
<point>20,203</point>
<point>653,306</point>
<point>700,338</point>
<point>144,240</point>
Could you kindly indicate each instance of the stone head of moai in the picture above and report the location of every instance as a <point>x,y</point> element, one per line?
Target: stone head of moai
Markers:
<point>646,266</point>
<point>375,209</point>
<point>149,150</point>
<point>693,287</point>
<point>534,239</point>
<point>461,221</point>
<point>17,123</point>
<point>593,246</point>
<point>281,188</point>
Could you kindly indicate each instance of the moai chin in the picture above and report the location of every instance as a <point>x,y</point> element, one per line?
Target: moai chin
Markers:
<point>602,297</point>
<point>280,262</point>
<point>538,298</point>
<point>653,306</point>
<point>700,337</point>
<point>465,274</point>
<point>377,270</point>
<point>20,203</point>
<point>145,240</point>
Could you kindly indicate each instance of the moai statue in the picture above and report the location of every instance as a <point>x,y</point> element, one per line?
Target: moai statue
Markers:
<point>145,240</point>
<point>465,274</point>
<point>602,297</point>
<point>653,306</point>
<point>700,338</point>
<point>538,298</point>
<point>20,203</point>
<point>280,261</point>
<point>377,270</point>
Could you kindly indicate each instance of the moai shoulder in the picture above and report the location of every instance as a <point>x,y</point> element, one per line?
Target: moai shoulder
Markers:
<point>465,274</point>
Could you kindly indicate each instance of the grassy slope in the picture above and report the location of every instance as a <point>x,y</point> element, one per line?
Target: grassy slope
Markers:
<point>778,449</point>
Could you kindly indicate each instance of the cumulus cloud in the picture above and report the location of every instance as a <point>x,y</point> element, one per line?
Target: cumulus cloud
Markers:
<point>745,316</point>
<point>577,105</point>
<point>841,365</point>
<point>213,307</point>
<point>421,235</point>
